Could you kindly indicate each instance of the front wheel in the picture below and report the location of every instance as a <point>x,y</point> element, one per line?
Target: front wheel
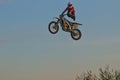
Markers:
<point>76,34</point>
<point>53,27</point>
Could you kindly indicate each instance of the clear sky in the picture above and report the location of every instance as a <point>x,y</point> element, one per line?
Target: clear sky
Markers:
<point>29,52</point>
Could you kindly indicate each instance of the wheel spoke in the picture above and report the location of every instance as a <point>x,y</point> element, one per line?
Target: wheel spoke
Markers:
<point>53,27</point>
<point>76,34</point>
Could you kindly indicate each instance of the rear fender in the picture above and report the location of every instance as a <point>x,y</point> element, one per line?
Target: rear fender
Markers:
<point>75,25</point>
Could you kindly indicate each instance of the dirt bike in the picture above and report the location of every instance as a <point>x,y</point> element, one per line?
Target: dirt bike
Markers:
<point>66,25</point>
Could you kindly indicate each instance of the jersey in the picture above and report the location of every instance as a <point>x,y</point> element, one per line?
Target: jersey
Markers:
<point>71,9</point>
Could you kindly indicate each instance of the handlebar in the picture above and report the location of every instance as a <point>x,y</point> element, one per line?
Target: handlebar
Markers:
<point>62,15</point>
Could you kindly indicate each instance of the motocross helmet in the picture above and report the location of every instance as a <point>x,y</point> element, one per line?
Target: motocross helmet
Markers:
<point>69,4</point>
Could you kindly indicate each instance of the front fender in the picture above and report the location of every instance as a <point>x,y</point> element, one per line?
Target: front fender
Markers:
<point>57,18</point>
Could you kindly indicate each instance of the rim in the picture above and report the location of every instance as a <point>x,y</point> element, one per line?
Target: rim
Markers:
<point>53,27</point>
<point>76,34</point>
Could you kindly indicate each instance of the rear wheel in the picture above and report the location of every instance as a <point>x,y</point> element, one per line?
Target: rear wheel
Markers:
<point>76,34</point>
<point>53,27</point>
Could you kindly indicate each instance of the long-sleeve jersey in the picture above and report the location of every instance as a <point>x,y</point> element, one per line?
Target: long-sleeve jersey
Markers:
<point>72,10</point>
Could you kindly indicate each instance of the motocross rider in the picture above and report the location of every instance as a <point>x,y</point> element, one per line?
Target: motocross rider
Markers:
<point>70,11</point>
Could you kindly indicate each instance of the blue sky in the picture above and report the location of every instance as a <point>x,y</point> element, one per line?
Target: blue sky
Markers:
<point>29,52</point>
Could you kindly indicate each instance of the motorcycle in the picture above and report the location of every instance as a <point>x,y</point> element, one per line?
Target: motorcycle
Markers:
<point>67,26</point>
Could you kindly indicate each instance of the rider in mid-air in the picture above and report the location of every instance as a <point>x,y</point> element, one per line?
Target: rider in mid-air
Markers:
<point>71,11</point>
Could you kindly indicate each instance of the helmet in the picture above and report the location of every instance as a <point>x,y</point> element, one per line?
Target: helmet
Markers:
<point>69,4</point>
